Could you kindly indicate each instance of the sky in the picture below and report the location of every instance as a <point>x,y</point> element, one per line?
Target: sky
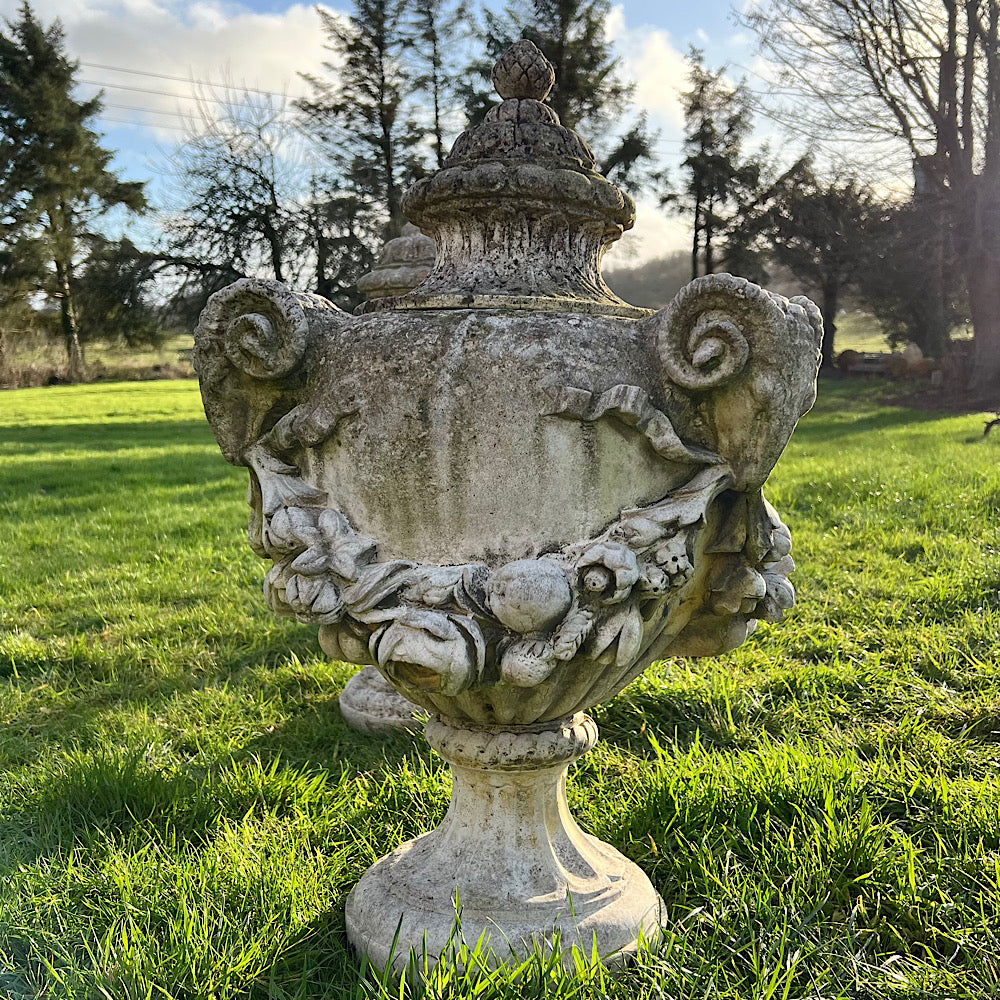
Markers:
<point>145,54</point>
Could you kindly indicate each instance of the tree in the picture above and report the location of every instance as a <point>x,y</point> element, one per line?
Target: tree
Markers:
<point>55,177</point>
<point>113,294</point>
<point>924,74</point>
<point>21,262</point>
<point>720,182</point>
<point>437,25</point>
<point>362,116</point>
<point>908,276</point>
<point>346,234</point>
<point>820,231</point>
<point>240,188</point>
<point>589,94</point>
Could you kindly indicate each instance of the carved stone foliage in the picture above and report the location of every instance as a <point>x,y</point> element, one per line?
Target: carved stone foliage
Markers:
<point>531,639</point>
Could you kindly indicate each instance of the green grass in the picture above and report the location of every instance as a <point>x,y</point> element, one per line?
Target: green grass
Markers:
<point>183,810</point>
<point>858,330</point>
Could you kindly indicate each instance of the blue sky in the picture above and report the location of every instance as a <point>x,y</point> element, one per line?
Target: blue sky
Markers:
<point>145,53</point>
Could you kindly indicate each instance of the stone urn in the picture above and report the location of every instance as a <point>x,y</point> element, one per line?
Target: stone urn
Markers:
<point>511,492</point>
<point>368,702</point>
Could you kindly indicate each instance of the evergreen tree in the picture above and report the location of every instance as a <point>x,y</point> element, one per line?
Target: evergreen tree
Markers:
<point>910,277</point>
<point>589,95</point>
<point>55,179</point>
<point>346,234</point>
<point>112,294</point>
<point>361,114</point>
<point>437,26</point>
<point>720,182</point>
<point>820,230</point>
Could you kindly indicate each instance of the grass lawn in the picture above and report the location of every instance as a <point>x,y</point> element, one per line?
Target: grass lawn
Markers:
<point>183,812</point>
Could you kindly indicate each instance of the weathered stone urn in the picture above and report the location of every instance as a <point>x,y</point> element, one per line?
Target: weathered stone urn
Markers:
<point>512,491</point>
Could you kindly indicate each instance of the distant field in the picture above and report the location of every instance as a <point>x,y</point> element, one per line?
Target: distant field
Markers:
<point>859,331</point>
<point>184,811</point>
<point>35,360</point>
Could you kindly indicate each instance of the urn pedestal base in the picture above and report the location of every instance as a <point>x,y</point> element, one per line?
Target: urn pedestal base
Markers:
<point>508,860</point>
<point>370,704</point>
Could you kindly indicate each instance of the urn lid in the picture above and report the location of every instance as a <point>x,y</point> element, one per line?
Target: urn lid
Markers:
<point>519,212</point>
<point>405,262</point>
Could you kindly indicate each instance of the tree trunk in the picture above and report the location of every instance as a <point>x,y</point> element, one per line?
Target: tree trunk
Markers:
<point>982,279</point>
<point>831,293</point>
<point>709,227</point>
<point>696,239</point>
<point>322,282</point>
<point>75,366</point>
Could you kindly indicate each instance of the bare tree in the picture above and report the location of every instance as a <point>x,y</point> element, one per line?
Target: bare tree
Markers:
<point>240,184</point>
<point>925,75</point>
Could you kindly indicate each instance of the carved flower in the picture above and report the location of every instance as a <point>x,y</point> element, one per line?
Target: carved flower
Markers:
<point>654,581</point>
<point>313,599</point>
<point>673,559</point>
<point>527,662</point>
<point>432,651</point>
<point>608,571</point>
<point>529,594</point>
<point>780,595</point>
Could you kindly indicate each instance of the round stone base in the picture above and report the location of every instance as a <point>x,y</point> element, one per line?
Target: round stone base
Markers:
<point>508,860</point>
<point>399,893</point>
<point>371,705</point>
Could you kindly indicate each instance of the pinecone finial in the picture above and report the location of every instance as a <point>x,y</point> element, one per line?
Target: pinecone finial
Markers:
<point>523,73</point>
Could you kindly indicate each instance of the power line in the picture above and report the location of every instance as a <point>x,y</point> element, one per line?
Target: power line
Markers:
<point>158,93</point>
<point>137,124</point>
<point>177,79</point>
<point>150,111</point>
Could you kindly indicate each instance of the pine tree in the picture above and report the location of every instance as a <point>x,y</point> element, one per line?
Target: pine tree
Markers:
<point>55,179</point>
<point>362,115</point>
<point>718,178</point>
<point>437,26</point>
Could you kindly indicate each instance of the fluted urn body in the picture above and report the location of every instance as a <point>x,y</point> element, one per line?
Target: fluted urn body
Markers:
<point>511,491</point>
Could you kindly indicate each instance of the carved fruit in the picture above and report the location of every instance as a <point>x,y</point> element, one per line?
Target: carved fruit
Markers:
<point>608,571</point>
<point>528,595</point>
<point>431,651</point>
<point>527,662</point>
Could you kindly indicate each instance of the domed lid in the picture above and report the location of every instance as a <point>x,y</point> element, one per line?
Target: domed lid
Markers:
<point>404,262</point>
<point>519,213</point>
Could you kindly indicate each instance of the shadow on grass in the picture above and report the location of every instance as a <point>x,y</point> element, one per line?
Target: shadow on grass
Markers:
<point>318,961</point>
<point>112,436</point>
<point>71,478</point>
<point>873,423</point>
<point>89,790</point>
<point>737,715</point>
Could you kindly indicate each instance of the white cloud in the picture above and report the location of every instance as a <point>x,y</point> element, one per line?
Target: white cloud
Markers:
<point>210,40</point>
<point>659,70</point>
<point>656,234</point>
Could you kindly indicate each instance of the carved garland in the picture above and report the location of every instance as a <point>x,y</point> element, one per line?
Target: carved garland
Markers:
<point>455,627</point>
